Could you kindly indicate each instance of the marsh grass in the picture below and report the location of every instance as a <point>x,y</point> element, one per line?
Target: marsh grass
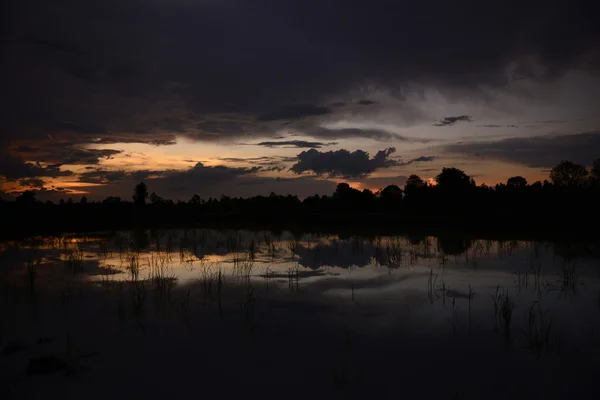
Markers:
<point>210,275</point>
<point>394,253</point>
<point>431,280</point>
<point>269,275</point>
<point>247,307</point>
<point>103,250</point>
<point>243,265</point>
<point>73,259</point>
<point>133,266</point>
<point>292,245</point>
<point>567,282</point>
<point>538,334</point>
<point>507,306</point>
<point>161,277</point>
<point>252,249</point>
<point>31,269</point>
<point>357,245</point>
<point>233,241</point>
<point>294,278</point>
<point>496,299</point>
<point>531,278</point>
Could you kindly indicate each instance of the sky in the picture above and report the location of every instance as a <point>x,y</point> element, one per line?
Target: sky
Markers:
<point>249,97</point>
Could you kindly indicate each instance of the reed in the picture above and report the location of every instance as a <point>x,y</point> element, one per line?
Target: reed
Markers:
<point>32,267</point>
<point>538,335</point>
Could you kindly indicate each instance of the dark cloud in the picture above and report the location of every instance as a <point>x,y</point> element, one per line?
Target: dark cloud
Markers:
<point>497,126</point>
<point>102,176</point>
<point>245,160</point>
<point>294,112</point>
<point>366,102</point>
<point>26,149</point>
<point>64,152</point>
<point>80,156</point>
<point>348,133</point>
<point>213,182</point>
<point>423,159</point>
<point>274,168</point>
<point>32,183</point>
<point>201,174</point>
<point>453,120</point>
<point>13,168</point>
<point>536,152</point>
<point>158,73</point>
<point>151,139</point>
<point>71,126</point>
<point>158,67</point>
<point>296,144</point>
<point>343,163</point>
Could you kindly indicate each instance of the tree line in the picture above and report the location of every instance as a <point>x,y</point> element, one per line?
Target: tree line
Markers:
<point>452,185</point>
<point>566,202</point>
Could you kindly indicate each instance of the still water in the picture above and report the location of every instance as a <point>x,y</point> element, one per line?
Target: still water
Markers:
<point>327,315</point>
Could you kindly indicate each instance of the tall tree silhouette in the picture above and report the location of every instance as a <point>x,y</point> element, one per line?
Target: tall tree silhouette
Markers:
<point>454,179</point>
<point>415,181</point>
<point>391,196</point>
<point>567,173</point>
<point>140,194</point>
<point>516,182</point>
<point>26,198</point>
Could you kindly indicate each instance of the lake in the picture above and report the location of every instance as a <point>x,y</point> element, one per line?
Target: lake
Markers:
<point>239,313</point>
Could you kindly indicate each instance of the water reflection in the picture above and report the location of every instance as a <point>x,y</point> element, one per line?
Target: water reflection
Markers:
<point>540,298</point>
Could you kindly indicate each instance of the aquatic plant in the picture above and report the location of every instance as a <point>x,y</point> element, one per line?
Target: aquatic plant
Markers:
<point>31,267</point>
<point>496,299</point>
<point>538,334</point>
<point>242,265</point>
<point>73,259</point>
<point>507,306</point>
<point>160,278</point>
<point>294,278</point>
<point>133,266</point>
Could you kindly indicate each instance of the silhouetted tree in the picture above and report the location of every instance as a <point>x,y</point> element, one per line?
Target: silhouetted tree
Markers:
<point>391,196</point>
<point>342,190</point>
<point>26,198</point>
<point>112,200</point>
<point>195,199</point>
<point>415,181</point>
<point>567,173</point>
<point>70,201</point>
<point>83,200</point>
<point>454,179</point>
<point>140,194</point>
<point>156,199</point>
<point>516,182</point>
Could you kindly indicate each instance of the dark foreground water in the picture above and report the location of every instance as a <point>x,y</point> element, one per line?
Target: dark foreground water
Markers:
<point>256,314</point>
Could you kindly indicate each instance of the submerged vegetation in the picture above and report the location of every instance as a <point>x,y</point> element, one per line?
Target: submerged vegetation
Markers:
<point>275,292</point>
